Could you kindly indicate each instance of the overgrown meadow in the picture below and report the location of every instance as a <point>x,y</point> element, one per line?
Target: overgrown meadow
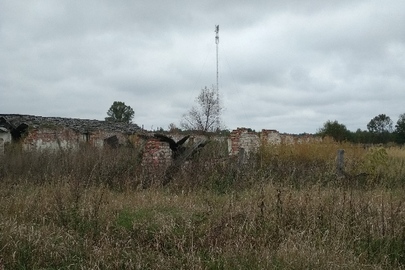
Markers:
<point>282,208</point>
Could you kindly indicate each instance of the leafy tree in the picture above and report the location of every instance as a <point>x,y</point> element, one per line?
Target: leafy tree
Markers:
<point>337,131</point>
<point>400,129</point>
<point>119,112</point>
<point>206,116</point>
<point>362,136</point>
<point>380,124</point>
<point>380,128</point>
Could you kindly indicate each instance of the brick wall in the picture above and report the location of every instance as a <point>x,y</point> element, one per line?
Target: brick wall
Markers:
<point>61,133</point>
<point>1,147</point>
<point>66,138</point>
<point>250,141</point>
<point>5,137</point>
<point>243,138</point>
<point>156,153</point>
<point>54,139</point>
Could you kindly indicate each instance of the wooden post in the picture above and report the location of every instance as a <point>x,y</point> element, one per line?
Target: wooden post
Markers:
<point>340,164</point>
<point>241,156</point>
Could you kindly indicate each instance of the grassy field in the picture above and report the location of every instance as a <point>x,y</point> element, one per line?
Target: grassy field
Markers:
<point>284,208</point>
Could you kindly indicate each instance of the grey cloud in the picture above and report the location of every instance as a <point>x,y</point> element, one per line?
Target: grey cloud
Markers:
<point>287,65</point>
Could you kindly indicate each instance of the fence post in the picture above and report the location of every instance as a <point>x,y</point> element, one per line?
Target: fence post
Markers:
<point>241,156</point>
<point>340,164</point>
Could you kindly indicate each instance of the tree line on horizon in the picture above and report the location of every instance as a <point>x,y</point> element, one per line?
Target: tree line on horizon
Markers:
<point>206,117</point>
<point>380,130</point>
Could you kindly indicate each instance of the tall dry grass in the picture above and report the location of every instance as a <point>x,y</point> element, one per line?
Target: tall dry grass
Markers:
<point>284,208</point>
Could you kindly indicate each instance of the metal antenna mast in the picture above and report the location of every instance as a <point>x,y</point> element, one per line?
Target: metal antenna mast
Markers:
<point>216,42</point>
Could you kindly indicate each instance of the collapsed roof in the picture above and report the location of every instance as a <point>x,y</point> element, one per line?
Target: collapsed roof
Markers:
<point>17,124</point>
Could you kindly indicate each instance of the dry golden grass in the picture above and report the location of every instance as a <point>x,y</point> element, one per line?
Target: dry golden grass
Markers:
<point>283,209</point>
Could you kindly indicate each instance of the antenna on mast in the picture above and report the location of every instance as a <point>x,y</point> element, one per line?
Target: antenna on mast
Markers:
<point>216,42</point>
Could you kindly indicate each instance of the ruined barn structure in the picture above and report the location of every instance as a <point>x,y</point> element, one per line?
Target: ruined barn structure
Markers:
<point>38,133</point>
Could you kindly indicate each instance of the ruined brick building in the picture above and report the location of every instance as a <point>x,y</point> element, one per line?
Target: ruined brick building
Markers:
<point>38,133</point>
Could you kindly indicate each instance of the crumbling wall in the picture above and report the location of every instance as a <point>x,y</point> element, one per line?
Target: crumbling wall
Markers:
<point>156,158</point>
<point>36,132</point>
<point>271,136</point>
<point>65,133</point>
<point>250,141</point>
<point>156,153</point>
<point>242,138</point>
<point>52,139</point>
<point>5,137</point>
<point>99,138</point>
<point>1,147</point>
<point>308,138</point>
<point>66,138</point>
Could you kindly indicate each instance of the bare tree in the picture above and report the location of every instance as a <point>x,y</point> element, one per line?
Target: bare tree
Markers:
<point>173,128</point>
<point>206,116</point>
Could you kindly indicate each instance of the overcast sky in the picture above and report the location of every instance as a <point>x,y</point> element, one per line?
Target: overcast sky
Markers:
<point>288,65</point>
